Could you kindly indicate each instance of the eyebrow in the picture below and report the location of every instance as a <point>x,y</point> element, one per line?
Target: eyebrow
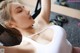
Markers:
<point>18,7</point>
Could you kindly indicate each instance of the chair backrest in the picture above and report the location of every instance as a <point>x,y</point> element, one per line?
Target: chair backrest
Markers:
<point>9,40</point>
<point>2,29</point>
<point>8,37</point>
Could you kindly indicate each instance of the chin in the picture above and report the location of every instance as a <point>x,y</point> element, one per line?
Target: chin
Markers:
<point>32,24</point>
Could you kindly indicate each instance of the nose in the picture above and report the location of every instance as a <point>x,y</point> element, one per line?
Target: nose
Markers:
<point>27,10</point>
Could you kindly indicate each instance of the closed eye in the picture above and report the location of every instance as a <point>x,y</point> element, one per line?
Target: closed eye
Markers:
<point>19,9</point>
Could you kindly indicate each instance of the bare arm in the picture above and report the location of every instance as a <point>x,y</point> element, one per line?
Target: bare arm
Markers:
<point>9,49</point>
<point>44,15</point>
<point>45,12</point>
<point>17,49</point>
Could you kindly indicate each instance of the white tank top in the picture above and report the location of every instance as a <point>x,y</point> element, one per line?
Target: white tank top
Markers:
<point>59,44</point>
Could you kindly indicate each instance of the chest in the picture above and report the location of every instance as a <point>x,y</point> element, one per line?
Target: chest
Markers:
<point>45,36</point>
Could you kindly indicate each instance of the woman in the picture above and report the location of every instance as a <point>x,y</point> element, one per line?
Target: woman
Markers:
<point>37,36</point>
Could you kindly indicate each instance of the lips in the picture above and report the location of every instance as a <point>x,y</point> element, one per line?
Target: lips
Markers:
<point>30,17</point>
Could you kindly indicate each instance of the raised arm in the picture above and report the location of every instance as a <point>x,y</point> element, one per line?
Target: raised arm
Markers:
<point>44,15</point>
<point>45,11</point>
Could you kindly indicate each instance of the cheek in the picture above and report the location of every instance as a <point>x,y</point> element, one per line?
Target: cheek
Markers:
<point>21,17</point>
<point>23,21</point>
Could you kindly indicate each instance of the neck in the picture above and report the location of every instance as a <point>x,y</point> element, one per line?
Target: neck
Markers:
<point>28,31</point>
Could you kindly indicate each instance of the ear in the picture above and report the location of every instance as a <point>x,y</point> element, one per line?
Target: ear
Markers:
<point>10,24</point>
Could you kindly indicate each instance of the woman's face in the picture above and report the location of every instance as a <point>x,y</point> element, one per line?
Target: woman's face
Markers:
<point>21,15</point>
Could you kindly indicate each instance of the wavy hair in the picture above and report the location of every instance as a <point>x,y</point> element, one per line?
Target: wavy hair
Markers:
<point>6,16</point>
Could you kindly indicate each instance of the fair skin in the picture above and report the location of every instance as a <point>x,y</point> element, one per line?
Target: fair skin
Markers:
<point>23,21</point>
<point>26,25</point>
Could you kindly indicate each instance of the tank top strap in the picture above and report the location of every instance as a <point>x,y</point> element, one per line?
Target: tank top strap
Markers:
<point>39,32</point>
<point>31,40</point>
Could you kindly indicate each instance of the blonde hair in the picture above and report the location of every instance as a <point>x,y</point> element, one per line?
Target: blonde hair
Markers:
<point>6,16</point>
<point>5,12</point>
